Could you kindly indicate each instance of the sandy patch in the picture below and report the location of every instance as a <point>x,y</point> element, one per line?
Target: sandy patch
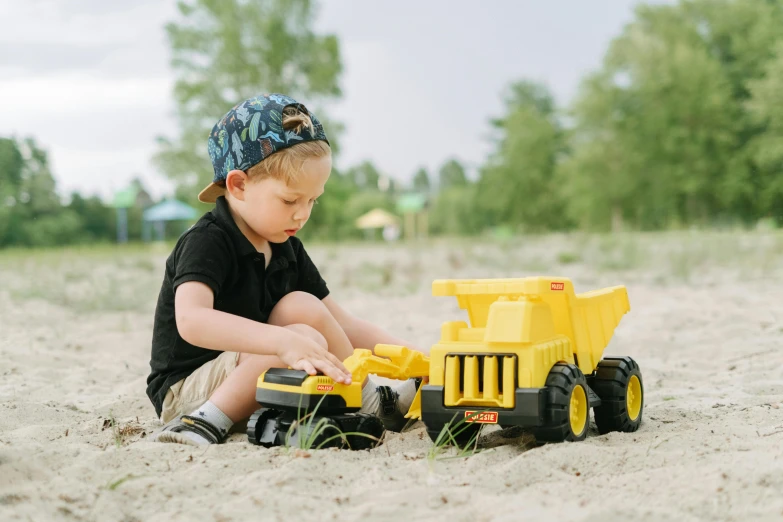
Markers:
<point>706,327</point>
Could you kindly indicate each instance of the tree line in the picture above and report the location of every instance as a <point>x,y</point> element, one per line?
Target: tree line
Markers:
<point>681,125</point>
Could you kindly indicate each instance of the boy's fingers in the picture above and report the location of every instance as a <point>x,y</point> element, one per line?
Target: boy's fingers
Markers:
<point>338,363</point>
<point>306,366</point>
<point>329,365</point>
<point>328,369</point>
<point>337,369</point>
<point>345,375</point>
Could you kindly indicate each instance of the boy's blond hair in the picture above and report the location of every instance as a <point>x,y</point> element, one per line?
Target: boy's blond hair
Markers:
<point>286,164</point>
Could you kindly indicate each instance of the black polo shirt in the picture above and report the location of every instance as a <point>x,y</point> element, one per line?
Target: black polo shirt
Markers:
<point>215,252</point>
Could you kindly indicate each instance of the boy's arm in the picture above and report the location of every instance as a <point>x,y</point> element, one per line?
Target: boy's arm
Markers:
<point>361,333</point>
<point>201,325</point>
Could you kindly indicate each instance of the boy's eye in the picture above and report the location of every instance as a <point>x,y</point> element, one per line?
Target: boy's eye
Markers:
<point>289,202</point>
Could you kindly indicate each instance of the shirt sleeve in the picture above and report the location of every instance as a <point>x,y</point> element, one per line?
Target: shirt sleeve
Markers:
<point>308,278</point>
<point>203,256</point>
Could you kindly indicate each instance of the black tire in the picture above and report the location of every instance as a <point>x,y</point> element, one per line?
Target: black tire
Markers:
<point>256,423</point>
<point>327,437</point>
<point>563,381</point>
<point>611,384</point>
<point>252,422</point>
<point>368,425</point>
<point>464,434</point>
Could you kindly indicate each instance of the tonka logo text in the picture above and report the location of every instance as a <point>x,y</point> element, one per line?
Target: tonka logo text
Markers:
<point>324,387</point>
<point>557,286</point>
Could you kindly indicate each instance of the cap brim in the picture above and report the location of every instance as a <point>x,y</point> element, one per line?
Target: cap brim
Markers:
<point>211,193</point>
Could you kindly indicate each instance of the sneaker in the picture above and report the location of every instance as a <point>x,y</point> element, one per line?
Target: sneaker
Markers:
<point>185,429</point>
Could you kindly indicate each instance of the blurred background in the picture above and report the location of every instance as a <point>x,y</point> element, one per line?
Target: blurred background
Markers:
<point>448,118</point>
<point>607,141</point>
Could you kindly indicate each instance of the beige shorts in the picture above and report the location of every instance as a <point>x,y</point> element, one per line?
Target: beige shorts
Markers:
<point>191,392</point>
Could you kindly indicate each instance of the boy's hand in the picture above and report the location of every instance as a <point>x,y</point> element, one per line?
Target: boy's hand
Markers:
<point>306,354</point>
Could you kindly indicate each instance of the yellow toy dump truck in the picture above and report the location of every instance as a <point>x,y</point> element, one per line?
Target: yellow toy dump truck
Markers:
<point>531,357</point>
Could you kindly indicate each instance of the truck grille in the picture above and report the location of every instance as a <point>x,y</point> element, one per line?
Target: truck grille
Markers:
<point>480,380</point>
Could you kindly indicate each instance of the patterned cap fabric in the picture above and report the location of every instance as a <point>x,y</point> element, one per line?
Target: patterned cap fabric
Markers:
<point>251,131</point>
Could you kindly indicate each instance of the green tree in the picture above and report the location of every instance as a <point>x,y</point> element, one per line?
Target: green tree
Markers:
<point>37,217</point>
<point>224,51</point>
<point>451,174</point>
<point>329,219</point>
<point>421,180</point>
<point>11,165</point>
<point>38,187</point>
<point>660,129</point>
<point>741,35</point>
<point>98,222</point>
<point>766,149</point>
<point>454,212</point>
<point>364,176</point>
<point>517,186</point>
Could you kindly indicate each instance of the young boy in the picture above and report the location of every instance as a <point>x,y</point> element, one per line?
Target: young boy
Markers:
<point>241,295</point>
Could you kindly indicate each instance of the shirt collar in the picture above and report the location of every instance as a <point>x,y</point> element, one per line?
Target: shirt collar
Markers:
<point>242,244</point>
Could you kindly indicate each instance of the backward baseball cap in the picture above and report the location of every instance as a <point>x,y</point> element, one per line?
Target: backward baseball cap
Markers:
<point>250,132</point>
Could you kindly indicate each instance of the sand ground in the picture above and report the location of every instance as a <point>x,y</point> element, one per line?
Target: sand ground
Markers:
<point>706,327</point>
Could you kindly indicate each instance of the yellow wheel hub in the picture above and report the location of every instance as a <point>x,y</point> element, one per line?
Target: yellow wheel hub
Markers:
<point>633,397</point>
<point>578,410</point>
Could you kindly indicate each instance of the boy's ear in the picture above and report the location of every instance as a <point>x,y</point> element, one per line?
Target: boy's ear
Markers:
<point>235,184</point>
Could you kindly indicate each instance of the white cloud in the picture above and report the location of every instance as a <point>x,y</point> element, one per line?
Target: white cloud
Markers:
<point>392,122</point>
<point>91,126</point>
<point>90,82</point>
<point>59,22</point>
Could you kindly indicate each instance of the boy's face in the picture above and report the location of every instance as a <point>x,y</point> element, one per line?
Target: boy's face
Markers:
<point>273,210</point>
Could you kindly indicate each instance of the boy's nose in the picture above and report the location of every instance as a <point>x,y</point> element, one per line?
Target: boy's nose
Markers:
<point>301,215</point>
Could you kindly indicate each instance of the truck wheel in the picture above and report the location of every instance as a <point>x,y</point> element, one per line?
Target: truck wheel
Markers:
<point>566,410</point>
<point>618,383</point>
<point>463,434</point>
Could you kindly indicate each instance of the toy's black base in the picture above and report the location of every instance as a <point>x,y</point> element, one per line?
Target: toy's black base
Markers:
<point>530,405</point>
<point>540,409</point>
<point>269,427</point>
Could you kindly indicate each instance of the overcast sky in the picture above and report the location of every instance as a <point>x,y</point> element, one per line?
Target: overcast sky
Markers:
<point>90,81</point>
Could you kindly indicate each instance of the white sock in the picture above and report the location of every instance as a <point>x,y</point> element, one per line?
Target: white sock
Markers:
<point>370,399</point>
<point>407,392</point>
<point>212,414</point>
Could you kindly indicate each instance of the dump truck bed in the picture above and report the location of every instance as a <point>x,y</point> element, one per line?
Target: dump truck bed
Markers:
<point>588,319</point>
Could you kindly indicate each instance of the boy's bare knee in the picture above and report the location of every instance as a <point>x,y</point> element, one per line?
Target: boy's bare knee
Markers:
<point>297,308</point>
<point>310,333</point>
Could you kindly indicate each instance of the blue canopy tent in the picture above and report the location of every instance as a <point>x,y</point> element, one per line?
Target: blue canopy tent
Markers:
<point>156,217</point>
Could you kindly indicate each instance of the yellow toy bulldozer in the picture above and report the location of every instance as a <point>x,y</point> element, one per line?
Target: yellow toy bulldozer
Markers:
<point>298,405</point>
<point>532,357</point>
